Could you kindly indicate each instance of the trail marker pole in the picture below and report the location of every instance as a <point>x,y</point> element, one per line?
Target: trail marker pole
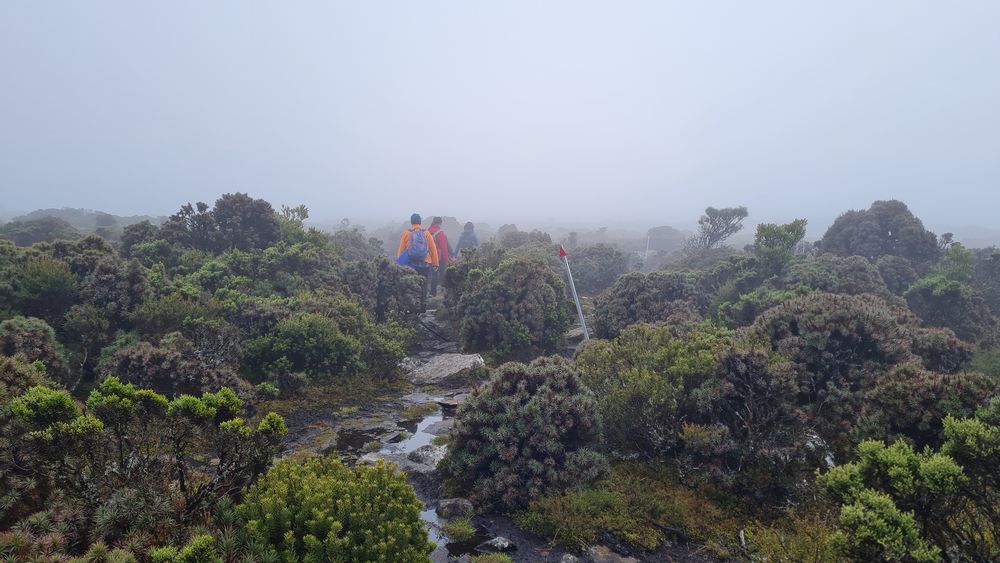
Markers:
<point>572,288</point>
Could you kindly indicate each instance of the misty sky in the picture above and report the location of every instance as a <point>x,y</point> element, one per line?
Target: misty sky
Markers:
<point>606,113</point>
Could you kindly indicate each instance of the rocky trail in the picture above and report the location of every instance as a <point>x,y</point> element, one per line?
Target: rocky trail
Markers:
<point>401,430</point>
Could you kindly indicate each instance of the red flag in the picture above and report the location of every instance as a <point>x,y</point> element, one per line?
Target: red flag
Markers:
<point>562,251</point>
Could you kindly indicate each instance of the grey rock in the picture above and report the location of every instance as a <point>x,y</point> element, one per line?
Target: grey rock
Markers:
<point>370,458</point>
<point>454,507</point>
<point>601,554</point>
<point>498,544</point>
<point>440,554</point>
<point>569,558</point>
<point>408,364</point>
<point>574,334</point>
<point>451,404</point>
<point>428,455</point>
<point>443,366</point>
<point>440,427</point>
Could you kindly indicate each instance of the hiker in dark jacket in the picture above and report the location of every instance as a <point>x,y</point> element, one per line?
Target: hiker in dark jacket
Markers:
<point>444,253</point>
<point>467,240</point>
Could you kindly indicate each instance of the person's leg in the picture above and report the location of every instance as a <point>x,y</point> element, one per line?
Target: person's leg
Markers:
<point>425,272</point>
<point>435,274</point>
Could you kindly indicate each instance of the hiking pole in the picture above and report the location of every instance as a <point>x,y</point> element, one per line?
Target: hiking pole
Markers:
<point>572,287</point>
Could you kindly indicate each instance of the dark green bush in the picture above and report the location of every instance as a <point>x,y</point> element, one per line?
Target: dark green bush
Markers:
<point>528,431</point>
<point>36,341</point>
<point>642,382</point>
<point>941,301</point>
<point>172,367</point>
<point>597,267</point>
<point>839,347</point>
<point>514,309</point>
<point>321,510</point>
<point>852,275</point>
<point>668,297</point>
<point>45,288</point>
<point>310,343</point>
<point>746,432</point>
<point>885,228</point>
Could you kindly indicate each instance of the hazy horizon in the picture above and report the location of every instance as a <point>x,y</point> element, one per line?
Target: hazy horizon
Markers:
<point>572,113</point>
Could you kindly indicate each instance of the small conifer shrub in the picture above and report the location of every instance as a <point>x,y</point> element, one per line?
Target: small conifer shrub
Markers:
<point>322,510</point>
<point>530,430</point>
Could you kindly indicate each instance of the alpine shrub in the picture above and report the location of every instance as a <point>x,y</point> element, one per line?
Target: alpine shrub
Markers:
<point>321,510</point>
<point>530,430</point>
<point>513,309</point>
<point>668,297</point>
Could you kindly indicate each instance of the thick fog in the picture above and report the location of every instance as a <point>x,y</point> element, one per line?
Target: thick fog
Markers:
<point>610,113</point>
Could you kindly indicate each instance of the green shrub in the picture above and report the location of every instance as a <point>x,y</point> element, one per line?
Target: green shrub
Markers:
<point>774,244</point>
<point>641,381</point>
<point>941,301</point>
<point>528,431</point>
<point>851,275</point>
<point>321,510</point>
<point>597,267</point>
<point>668,297</point>
<point>18,484</point>
<point>900,504</point>
<point>514,309</point>
<point>46,288</point>
<point>176,365</point>
<point>839,347</point>
<point>874,529</point>
<point>36,341</point>
<point>136,462</point>
<point>310,343</point>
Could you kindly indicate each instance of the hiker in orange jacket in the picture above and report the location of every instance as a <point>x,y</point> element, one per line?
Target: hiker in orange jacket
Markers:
<point>418,251</point>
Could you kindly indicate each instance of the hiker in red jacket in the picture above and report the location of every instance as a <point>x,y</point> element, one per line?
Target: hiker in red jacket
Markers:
<point>443,251</point>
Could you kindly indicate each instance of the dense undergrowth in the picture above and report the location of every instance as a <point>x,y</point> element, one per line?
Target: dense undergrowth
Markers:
<point>786,402</point>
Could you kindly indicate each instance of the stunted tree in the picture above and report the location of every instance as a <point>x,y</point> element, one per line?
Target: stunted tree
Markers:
<point>245,222</point>
<point>775,244</point>
<point>717,225</point>
<point>885,228</point>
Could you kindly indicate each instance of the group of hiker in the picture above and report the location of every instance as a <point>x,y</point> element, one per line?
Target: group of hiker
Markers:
<point>429,252</point>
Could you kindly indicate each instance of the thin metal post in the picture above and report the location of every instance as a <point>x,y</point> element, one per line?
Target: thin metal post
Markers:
<point>576,298</point>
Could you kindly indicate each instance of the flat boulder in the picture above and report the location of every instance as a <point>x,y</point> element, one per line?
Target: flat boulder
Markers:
<point>454,507</point>
<point>428,455</point>
<point>443,366</point>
